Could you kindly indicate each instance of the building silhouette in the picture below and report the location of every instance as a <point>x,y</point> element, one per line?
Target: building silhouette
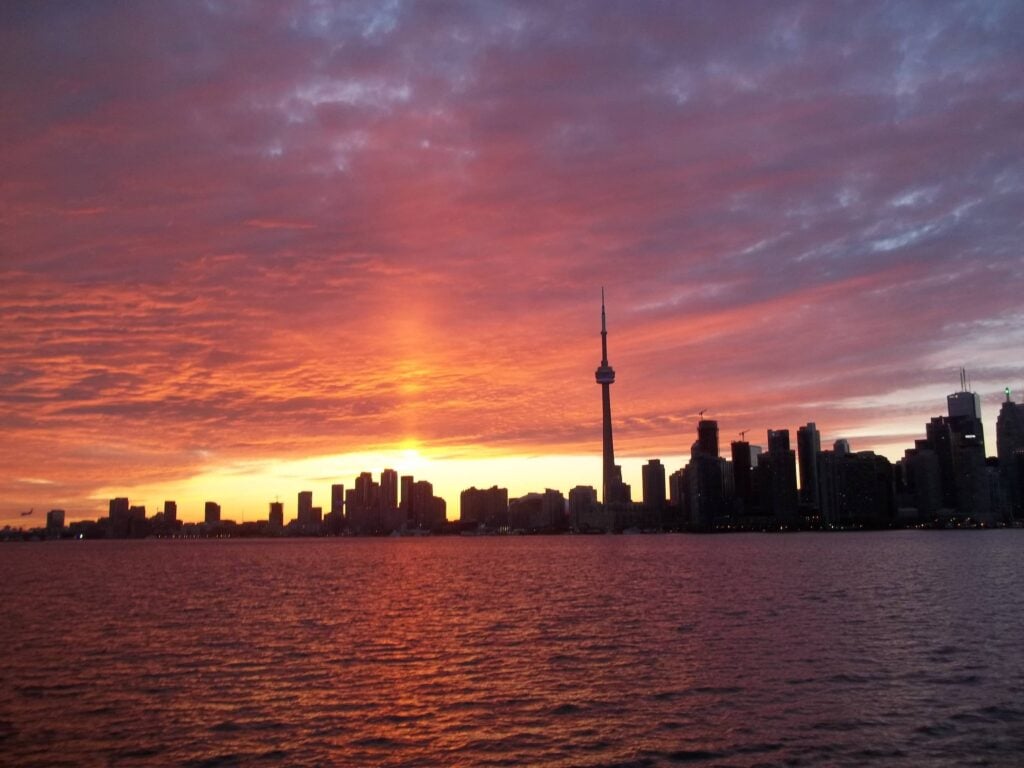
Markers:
<point>743,477</point>
<point>211,513</point>
<point>304,515</point>
<point>55,521</point>
<point>808,444</point>
<point>856,490</point>
<point>487,508</point>
<point>702,484</point>
<point>776,480</point>
<point>1010,449</point>
<point>585,514</point>
<point>613,490</point>
<point>653,475</point>
<point>276,516</point>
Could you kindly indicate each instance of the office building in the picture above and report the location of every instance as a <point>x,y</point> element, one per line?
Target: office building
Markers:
<point>276,516</point>
<point>211,513</point>
<point>808,443</point>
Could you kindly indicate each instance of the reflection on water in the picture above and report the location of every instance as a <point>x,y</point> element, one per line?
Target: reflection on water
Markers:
<point>807,649</point>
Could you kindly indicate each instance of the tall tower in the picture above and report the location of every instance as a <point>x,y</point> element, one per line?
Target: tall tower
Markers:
<point>611,477</point>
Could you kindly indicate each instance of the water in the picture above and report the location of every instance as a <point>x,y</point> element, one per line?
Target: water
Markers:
<point>900,648</point>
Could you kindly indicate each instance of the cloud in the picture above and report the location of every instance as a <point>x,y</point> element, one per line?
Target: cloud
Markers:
<point>274,231</point>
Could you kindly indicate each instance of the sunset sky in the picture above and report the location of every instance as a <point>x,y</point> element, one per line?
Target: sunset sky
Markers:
<point>248,249</point>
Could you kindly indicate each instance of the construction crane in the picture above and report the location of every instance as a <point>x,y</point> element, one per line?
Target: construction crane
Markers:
<point>743,434</point>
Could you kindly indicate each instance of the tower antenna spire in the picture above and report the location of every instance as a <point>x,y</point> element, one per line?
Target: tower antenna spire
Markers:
<point>604,332</point>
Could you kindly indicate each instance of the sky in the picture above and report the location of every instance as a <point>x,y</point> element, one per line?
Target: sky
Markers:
<point>252,248</point>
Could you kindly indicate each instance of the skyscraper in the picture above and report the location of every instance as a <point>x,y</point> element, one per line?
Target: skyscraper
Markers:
<point>808,444</point>
<point>389,489</point>
<point>305,508</point>
<point>1010,447</point>
<point>276,516</point>
<point>611,475</point>
<point>707,437</point>
<point>338,499</point>
<point>211,513</point>
<point>653,474</point>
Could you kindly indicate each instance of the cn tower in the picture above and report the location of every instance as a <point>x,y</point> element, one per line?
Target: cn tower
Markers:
<point>605,376</point>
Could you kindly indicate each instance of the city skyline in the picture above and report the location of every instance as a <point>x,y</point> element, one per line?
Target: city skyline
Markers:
<point>617,503</point>
<point>251,251</point>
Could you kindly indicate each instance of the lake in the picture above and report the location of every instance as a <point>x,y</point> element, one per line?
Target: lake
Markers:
<point>886,648</point>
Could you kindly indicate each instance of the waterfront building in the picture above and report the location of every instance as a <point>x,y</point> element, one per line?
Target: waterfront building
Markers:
<point>538,511</point>
<point>585,514</point>
<point>405,502</point>
<point>171,514</point>
<point>488,508</point>
<point>364,506</point>
<point>338,500</point>
<point>119,518</point>
<point>211,513</point>
<point>857,490</point>
<point>389,489</point>
<point>304,516</point>
<point>742,471</point>
<point>1010,449</point>
<point>776,480</point>
<point>808,444</point>
<point>276,516</point>
<point>920,483</point>
<point>553,503</point>
<point>707,437</point>
<point>653,474</point>
<point>703,482</point>
<point>55,521</point>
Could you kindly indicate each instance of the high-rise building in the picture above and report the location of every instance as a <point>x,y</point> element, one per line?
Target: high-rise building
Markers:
<point>742,469</point>
<point>703,488</point>
<point>553,503</point>
<point>958,441</point>
<point>422,504</point>
<point>405,485</point>
<point>338,500</point>
<point>612,492</point>
<point>776,473</point>
<point>584,512</point>
<point>856,490</point>
<point>211,512</point>
<point>1010,449</point>
<point>653,474</point>
<point>55,521</point>
<point>808,444</point>
<point>119,519</point>
<point>488,508</point>
<point>389,489</point>
<point>276,516</point>
<point>305,508</point>
<point>964,409</point>
<point>707,437</point>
